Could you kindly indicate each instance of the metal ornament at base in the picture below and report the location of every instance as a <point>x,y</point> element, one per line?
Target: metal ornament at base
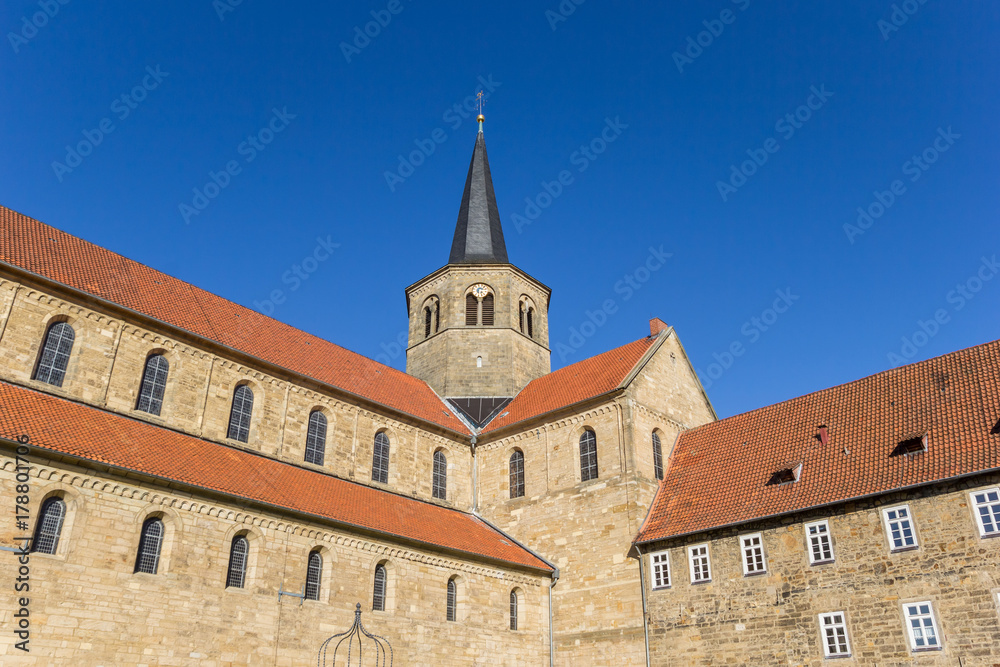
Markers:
<point>356,639</point>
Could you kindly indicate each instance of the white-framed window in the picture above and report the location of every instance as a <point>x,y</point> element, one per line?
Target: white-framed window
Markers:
<point>899,528</point>
<point>921,626</point>
<point>986,505</point>
<point>753,554</point>
<point>659,564</point>
<point>833,627</point>
<point>820,544</point>
<point>701,568</point>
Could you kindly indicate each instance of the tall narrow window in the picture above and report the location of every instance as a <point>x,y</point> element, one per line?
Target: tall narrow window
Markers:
<point>428,320</point>
<point>380,459</point>
<point>588,456</point>
<point>834,629</point>
<point>657,456</point>
<point>531,322</point>
<point>753,554</point>
<point>239,417</point>
<point>513,610</point>
<point>517,474</point>
<point>314,575</point>
<point>154,383</point>
<point>471,310</point>
<point>660,563</point>
<point>488,310</point>
<point>150,541</point>
<point>520,315</point>
<point>316,438</point>
<point>986,505</point>
<point>55,354</point>
<point>899,528</point>
<point>378,595</point>
<point>452,599</point>
<point>701,568</point>
<point>49,526</point>
<point>439,483</point>
<point>820,546</point>
<point>239,553</point>
<point>921,626</point>
<point>437,317</point>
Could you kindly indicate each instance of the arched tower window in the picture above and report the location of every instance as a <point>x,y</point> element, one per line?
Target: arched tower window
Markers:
<point>314,575</point>
<point>428,321</point>
<point>520,315</point>
<point>49,526</point>
<point>657,456</point>
<point>380,458</point>
<point>150,542</point>
<point>488,310</point>
<point>588,456</point>
<point>316,438</point>
<point>531,322</point>
<point>239,554</point>
<point>517,474</point>
<point>55,354</point>
<point>439,485</point>
<point>452,600</point>
<point>479,306</point>
<point>378,595</point>
<point>239,417</point>
<point>471,310</point>
<point>154,383</point>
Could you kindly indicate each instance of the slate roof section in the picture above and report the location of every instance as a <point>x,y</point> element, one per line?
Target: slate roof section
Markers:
<point>572,384</point>
<point>48,252</point>
<point>718,473</point>
<point>478,232</point>
<point>60,425</point>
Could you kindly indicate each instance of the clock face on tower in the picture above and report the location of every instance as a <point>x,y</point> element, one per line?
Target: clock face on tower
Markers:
<point>480,290</point>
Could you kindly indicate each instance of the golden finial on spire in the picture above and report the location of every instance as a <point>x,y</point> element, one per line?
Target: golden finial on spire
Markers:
<point>481,100</point>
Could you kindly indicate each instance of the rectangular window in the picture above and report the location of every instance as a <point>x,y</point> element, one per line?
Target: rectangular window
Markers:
<point>921,626</point>
<point>899,528</point>
<point>660,564</point>
<point>820,545</point>
<point>986,505</point>
<point>834,629</point>
<point>701,570</point>
<point>753,554</point>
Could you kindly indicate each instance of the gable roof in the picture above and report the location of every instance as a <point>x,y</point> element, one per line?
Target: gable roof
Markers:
<point>478,232</point>
<point>718,473</point>
<point>60,425</point>
<point>572,384</point>
<point>48,252</point>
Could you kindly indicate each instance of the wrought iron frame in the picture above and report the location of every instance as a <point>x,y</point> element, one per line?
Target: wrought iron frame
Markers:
<point>383,649</point>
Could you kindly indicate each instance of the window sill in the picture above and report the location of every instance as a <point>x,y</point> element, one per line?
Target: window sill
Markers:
<point>700,582</point>
<point>824,562</point>
<point>662,588</point>
<point>899,550</point>
<point>929,649</point>
<point>754,574</point>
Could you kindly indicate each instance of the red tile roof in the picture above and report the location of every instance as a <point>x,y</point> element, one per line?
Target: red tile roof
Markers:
<point>78,430</point>
<point>58,256</point>
<point>718,473</point>
<point>572,384</point>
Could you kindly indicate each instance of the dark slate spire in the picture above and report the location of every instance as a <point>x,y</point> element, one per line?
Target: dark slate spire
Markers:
<point>478,234</point>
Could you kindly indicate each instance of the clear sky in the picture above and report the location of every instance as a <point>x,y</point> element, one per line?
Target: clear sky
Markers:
<point>738,137</point>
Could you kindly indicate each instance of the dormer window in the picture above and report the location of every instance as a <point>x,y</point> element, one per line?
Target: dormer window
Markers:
<point>786,475</point>
<point>914,445</point>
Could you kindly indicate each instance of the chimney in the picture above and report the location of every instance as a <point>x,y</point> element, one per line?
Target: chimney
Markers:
<point>656,325</point>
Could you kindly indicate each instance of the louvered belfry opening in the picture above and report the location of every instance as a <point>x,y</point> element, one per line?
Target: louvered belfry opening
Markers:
<point>488,310</point>
<point>427,322</point>
<point>471,310</point>
<point>531,322</point>
<point>520,315</point>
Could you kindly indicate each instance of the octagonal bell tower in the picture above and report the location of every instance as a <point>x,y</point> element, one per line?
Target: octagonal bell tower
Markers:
<point>478,325</point>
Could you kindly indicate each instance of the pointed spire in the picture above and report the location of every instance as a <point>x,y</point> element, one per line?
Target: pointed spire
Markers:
<point>478,233</point>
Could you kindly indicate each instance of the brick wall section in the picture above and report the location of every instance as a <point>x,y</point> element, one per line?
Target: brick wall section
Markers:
<point>772,618</point>
<point>89,608</point>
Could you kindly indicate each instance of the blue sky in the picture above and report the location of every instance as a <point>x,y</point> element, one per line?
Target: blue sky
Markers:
<point>745,137</point>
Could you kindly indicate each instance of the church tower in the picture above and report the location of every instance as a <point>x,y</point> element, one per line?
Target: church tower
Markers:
<point>479,325</point>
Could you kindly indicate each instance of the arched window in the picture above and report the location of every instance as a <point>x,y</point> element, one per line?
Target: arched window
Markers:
<point>471,310</point>
<point>517,474</point>
<point>154,383</point>
<point>520,315</point>
<point>148,557</point>
<point>513,610</point>
<point>239,418</point>
<point>239,553</point>
<point>531,322</point>
<point>316,438</point>
<point>588,456</point>
<point>437,317</point>
<point>314,575</point>
<point>452,599</point>
<point>657,456</point>
<point>380,458</point>
<point>49,526</point>
<point>428,320</point>
<point>488,310</point>
<point>55,354</point>
<point>378,595</point>
<point>439,483</point>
